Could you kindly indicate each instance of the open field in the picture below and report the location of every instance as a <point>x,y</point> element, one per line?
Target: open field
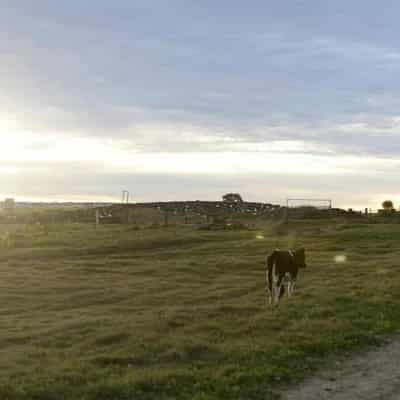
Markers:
<point>179,313</point>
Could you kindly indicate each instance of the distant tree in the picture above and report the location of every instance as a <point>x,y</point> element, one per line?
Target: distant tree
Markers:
<point>232,198</point>
<point>387,205</point>
<point>9,205</point>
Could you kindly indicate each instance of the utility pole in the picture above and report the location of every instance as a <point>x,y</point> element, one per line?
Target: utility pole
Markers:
<point>125,197</point>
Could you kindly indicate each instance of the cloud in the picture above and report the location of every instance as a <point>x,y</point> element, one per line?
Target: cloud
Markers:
<point>138,88</point>
<point>90,180</point>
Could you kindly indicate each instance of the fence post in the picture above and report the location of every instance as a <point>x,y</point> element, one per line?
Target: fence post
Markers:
<point>287,212</point>
<point>97,218</point>
<point>166,218</point>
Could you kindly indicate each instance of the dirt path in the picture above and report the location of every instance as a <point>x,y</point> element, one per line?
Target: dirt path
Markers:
<point>373,375</point>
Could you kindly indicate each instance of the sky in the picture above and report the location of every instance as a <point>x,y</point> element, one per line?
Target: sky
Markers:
<point>187,100</point>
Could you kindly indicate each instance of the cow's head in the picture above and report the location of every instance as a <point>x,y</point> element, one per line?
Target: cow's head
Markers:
<point>300,258</point>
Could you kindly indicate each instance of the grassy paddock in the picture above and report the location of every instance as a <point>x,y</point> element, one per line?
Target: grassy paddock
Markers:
<point>178,313</point>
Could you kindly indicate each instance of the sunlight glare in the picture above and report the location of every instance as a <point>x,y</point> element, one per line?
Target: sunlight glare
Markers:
<point>340,259</point>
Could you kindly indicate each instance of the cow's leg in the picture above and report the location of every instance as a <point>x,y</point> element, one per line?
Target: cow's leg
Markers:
<point>290,287</point>
<point>280,288</point>
<point>273,279</point>
<point>292,283</point>
<point>270,278</point>
<point>275,286</point>
<point>269,286</point>
<point>294,280</point>
<point>293,286</point>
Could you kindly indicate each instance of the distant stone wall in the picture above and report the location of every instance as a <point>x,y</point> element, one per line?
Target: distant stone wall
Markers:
<point>208,207</point>
<point>159,212</point>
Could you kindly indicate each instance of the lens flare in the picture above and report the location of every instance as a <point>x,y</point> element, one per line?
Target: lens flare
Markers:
<point>340,259</point>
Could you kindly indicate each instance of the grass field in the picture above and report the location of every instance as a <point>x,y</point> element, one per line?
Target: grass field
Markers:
<point>180,313</point>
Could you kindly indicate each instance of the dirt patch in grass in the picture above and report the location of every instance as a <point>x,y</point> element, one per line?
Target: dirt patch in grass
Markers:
<point>369,375</point>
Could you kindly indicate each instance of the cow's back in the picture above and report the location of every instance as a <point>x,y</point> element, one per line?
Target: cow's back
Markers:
<point>284,262</point>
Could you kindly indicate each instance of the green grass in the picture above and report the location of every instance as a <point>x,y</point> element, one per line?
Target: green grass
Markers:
<point>179,313</point>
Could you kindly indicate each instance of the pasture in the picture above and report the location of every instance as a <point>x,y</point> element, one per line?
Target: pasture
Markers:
<point>180,313</point>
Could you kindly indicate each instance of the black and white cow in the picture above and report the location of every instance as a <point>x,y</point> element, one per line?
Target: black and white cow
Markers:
<point>283,264</point>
